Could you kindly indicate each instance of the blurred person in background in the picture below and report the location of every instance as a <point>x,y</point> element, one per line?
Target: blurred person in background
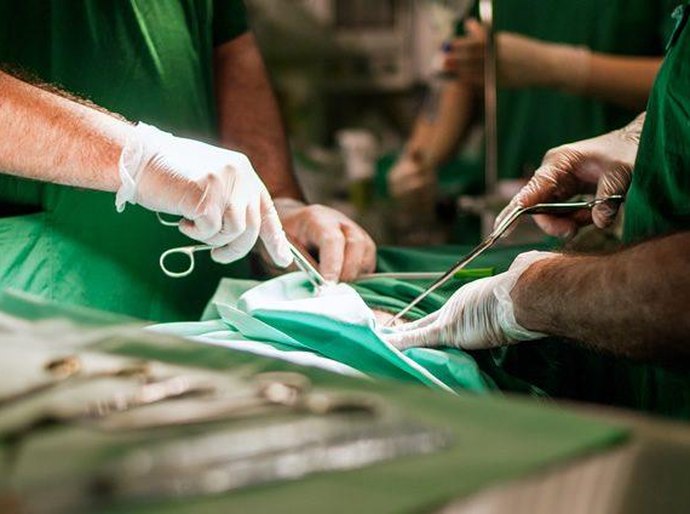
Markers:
<point>618,320</point>
<point>187,67</point>
<point>566,71</point>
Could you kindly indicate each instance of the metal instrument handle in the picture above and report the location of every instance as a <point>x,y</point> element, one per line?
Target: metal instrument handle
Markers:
<point>542,208</point>
<point>167,223</point>
<point>188,251</point>
<point>305,265</point>
<point>551,208</point>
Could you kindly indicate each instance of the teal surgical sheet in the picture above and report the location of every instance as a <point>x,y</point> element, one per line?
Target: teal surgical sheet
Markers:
<point>337,330</point>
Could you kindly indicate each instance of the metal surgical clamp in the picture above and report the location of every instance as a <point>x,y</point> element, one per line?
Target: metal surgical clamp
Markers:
<point>498,232</point>
<point>302,262</point>
<point>305,264</point>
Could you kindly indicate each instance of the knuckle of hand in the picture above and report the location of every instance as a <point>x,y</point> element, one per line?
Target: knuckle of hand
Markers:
<point>204,227</point>
<point>557,153</point>
<point>233,229</point>
<point>331,239</point>
<point>231,215</point>
<point>318,211</point>
<point>355,238</point>
<point>312,213</point>
<point>239,160</point>
<point>228,171</point>
<point>215,223</point>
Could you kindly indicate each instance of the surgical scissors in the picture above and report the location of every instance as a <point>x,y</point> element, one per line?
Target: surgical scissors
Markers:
<point>497,233</point>
<point>302,261</point>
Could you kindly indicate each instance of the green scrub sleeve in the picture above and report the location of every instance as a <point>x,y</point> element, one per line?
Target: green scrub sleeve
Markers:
<point>668,24</point>
<point>229,20</point>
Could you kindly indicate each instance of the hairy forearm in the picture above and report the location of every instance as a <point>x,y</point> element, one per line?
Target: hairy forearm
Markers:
<point>625,81</point>
<point>50,137</point>
<point>619,79</point>
<point>436,137</point>
<point>249,118</point>
<point>633,303</point>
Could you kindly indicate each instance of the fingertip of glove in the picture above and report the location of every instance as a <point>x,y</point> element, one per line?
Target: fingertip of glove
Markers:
<point>331,275</point>
<point>603,215</point>
<point>284,262</point>
<point>278,247</point>
<point>283,256</point>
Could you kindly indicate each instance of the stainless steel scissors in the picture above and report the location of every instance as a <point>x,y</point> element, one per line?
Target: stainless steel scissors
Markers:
<point>498,232</point>
<point>302,261</point>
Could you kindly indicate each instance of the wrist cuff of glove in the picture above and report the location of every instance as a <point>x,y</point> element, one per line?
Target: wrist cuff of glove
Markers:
<point>137,152</point>
<point>285,204</point>
<point>506,311</point>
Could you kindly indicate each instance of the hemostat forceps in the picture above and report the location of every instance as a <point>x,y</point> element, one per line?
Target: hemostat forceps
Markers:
<point>302,262</point>
<point>305,264</point>
<point>498,232</point>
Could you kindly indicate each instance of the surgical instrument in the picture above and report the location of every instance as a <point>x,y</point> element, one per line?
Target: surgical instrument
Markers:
<point>497,233</point>
<point>271,393</point>
<point>69,369</point>
<point>427,275</point>
<point>98,408</point>
<point>302,262</point>
<point>305,264</point>
<point>238,458</point>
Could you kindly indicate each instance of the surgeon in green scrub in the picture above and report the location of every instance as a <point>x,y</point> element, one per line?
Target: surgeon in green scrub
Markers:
<point>624,315</point>
<point>185,67</point>
<point>566,71</point>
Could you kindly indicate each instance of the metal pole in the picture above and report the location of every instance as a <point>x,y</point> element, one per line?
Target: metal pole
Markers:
<point>486,15</point>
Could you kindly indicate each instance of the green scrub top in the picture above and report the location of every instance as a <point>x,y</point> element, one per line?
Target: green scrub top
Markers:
<point>659,198</point>
<point>533,120</point>
<point>658,202</point>
<point>149,61</point>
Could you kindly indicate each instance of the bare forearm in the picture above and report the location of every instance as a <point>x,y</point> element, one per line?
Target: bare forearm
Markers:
<point>249,119</point>
<point>435,137</point>
<point>622,80</point>
<point>625,81</point>
<point>48,137</point>
<point>633,303</point>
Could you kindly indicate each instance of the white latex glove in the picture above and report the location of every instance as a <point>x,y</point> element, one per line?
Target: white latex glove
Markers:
<point>216,191</point>
<point>345,250</point>
<point>602,165</point>
<point>522,61</point>
<point>479,315</point>
<point>410,176</point>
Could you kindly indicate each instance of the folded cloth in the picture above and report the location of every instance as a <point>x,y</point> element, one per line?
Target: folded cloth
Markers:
<point>286,318</point>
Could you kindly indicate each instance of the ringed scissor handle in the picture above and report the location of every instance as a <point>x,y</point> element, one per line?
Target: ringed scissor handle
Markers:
<point>302,262</point>
<point>187,251</point>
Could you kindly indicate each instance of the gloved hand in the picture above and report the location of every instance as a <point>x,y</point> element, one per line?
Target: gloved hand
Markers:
<point>521,61</point>
<point>216,191</point>
<point>411,176</point>
<point>602,165</point>
<point>345,250</point>
<point>479,315</point>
